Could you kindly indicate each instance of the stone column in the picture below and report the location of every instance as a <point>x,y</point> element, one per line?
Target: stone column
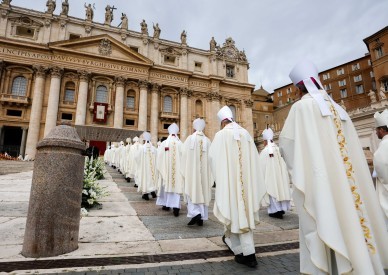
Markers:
<point>142,121</point>
<point>36,112</point>
<point>119,103</point>
<point>53,100</point>
<point>2,65</point>
<point>215,107</point>
<point>80,115</point>
<point>53,219</point>
<point>183,114</point>
<point>248,119</point>
<point>154,112</point>
<point>189,112</point>
<point>23,143</point>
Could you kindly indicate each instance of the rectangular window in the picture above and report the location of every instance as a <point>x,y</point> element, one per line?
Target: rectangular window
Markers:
<point>136,49</point>
<point>289,91</point>
<point>359,89</point>
<point>340,71</point>
<point>69,96</point>
<point>343,93</point>
<point>355,67</point>
<point>17,113</point>
<point>254,125</point>
<point>379,52</point>
<point>327,86</point>
<point>66,116</point>
<point>165,126</point>
<point>197,66</point>
<point>130,122</point>
<point>280,94</point>
<point>130,102</point>
<point>372,74</point>
<point>326,76</point>
<point>25,31</point>
<point>342,82</point>
<point>169,59</point>
<point>230,71</point>
<point>369,62</point>
<point>74,36</point>
<point>357,78</point>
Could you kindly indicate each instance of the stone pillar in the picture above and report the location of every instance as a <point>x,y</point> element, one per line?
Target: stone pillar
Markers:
<point>53,219</point>
<point>154,112</point>
<point>53,100</point>
<point>23,143</point>
<point>189,112</point>
<point>142,123</point>
<point>248,118</point>
<point>119,103</point>
<point>183,114</point>
<point>80,115</point>
<point>36,112</point>
<point>215,108</point>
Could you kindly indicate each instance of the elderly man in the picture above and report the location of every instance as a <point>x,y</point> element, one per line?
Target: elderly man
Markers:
<point>169,160</point>
<point>380,161</point>
<point>197,174</point>
<point>275,176</point>
<point>341,225</point>
<point>240,188</point>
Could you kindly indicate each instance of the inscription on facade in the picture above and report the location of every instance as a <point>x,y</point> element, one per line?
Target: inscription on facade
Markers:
<point>72,59</point>
<point>199,84</point>
<point>169,77</point>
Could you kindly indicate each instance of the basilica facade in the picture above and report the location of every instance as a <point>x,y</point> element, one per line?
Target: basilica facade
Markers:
<point>55,68</point>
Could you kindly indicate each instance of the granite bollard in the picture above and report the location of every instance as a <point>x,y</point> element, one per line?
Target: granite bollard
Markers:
<point>53,218</point>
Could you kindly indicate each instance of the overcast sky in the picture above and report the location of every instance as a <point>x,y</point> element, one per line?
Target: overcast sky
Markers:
<point>274,33</point>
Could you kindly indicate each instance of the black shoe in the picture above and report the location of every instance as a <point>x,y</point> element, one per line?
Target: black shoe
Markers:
<point>176,212</point>
<point>214,185</point>
<point>165,208</point>
<point>249,260</point>
<point>282,212</point>
<point>153,194</point>
<point>276,215</point>
<point>200,222</point>
<point>194,220</point>
<point>135,185</point>
<point>128,179</point>
<point>145,197</point>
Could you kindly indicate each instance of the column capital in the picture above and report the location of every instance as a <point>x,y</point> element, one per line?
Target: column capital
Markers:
<point>248,103</point>
<point>183,91</point>
<point>83,75</point>
<point>155,87</point>
<point>24,128</point>
<point>40,71</point>
<point>213,96</point>
<point>56,72</point>
<point>120,81</point>
<point>143,84</point>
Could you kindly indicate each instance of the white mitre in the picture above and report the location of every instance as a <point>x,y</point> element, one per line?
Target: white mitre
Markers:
<point>128,140</point>
<point>268,136</point>
<point>147,136</point>
<point>305,71</point>
<point>226,113</point>
<point>199,124</point>
<point>173,129</point>
<point>381,119</point>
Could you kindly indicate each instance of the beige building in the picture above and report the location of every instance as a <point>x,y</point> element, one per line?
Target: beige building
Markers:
<point>54,67</point>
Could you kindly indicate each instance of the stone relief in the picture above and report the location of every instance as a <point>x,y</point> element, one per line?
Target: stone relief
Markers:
<point>382,95</point>
<point>109,14</point>
<point>156,31</point>
<point>183,37</point>
<point>372,96</point>
<point>144,27</point>
<point>105,47</point>
<point>213,44</point>
<point>89,13</point>
<point>124,21</point>
<point>51,5</point>
<point>65,7</point>
<point>230,52</point>
<point>6,2</point>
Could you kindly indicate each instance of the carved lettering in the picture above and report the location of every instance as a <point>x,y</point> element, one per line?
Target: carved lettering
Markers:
<point>168,77</point>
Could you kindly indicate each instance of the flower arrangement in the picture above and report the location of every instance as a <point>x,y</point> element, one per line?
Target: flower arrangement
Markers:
<point>92,191</point>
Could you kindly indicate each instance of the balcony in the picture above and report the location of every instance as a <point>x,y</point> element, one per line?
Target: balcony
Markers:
<point>14,100</point>
<point>168,116</point>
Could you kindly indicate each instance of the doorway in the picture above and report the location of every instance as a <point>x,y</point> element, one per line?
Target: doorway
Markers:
<point>11,140</point>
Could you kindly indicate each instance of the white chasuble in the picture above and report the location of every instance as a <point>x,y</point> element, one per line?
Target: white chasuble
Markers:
<point>239,183</point>
<point>196,168</point>
<point>146,171</point>
<point>132,166</point>
<point>275,174</point>
<point>337,204</point>
<point>380,162</point>
<point>169,161</point>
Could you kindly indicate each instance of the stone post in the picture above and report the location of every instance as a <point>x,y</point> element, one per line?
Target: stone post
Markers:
<point>119,103</point>
<point>53,100</point>
<point>142,123</point>
<point>23,143</point>
<point>80,115</point>
<point>183,113</point>
<point>53,219</point>
<point>36,112</point>
<point>154,112</point>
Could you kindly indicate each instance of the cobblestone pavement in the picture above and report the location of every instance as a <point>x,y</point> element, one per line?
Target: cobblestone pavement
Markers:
<point>279,264</point>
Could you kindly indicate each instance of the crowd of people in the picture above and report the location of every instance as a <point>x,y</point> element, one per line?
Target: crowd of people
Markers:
<point>341,214</point>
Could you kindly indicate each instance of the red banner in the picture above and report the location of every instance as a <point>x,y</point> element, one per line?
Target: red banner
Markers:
<point>100,112</point>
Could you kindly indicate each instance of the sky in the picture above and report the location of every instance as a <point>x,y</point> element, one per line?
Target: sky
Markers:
<point>274,34</point>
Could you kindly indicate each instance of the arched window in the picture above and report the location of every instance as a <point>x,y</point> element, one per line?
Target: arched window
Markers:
<point>102,94</point>
<point>131,99</point>
<point>167,104</point>
<point>19,86</point>
<point>69,92</point>
<point>198,108</point>
<point>233,109</point>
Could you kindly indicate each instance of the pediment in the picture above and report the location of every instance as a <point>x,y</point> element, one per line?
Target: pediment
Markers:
<point>101,46</point>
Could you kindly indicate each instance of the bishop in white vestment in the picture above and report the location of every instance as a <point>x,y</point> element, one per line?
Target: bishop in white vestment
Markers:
<point>240,187</point>
<point>132,165</point>
<point>275,175</point>
<point>146,171</point>
<point>341,224</point>
<point>197,174</point>
<point>169,160</point>
<point>380,161</point>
